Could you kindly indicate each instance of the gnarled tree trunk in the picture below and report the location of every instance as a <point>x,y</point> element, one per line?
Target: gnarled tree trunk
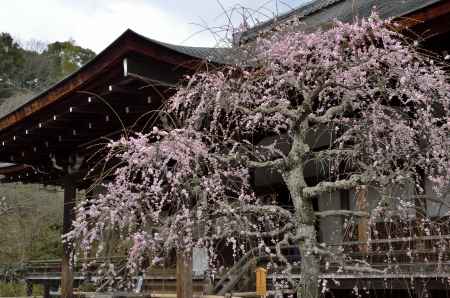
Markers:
<point>295,181</point>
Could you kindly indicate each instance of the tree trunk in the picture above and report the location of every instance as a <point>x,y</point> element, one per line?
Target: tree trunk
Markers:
<point>309,287</point>
<point>184,275</point>
<point>295,181</point>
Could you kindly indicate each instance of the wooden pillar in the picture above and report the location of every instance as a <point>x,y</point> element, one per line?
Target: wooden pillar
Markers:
<point>184,275</point>
<point>29,288</point>
<point>66,269</point>
<point>363,224</point>
<point>420,289</point>
<point>46,293</point>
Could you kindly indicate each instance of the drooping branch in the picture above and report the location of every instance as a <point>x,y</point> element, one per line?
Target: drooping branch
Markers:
<point>282,258</point>
<point>330,154</point>
<point>274,233</point>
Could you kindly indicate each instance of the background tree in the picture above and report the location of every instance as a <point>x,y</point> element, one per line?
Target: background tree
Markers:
<point>31,226</point>
<point>26,69</point>
<point>11,61</point>
<point>35,66</point>
<point>357,101</point>
<point>66,57</point>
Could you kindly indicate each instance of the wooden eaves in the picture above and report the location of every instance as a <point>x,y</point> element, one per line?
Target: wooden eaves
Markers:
<point>131,77</point>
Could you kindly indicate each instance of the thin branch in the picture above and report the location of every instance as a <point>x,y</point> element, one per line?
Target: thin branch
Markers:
<point>268,209</point>
<point>273,233</point>
<point>331,153</point>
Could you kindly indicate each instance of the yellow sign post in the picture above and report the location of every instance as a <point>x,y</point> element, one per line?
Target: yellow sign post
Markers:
<point>261,282</point>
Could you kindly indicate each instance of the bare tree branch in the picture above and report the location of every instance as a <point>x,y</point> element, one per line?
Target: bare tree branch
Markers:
<point>330,113</point>
<point>327,213</point>
<point>267,209</point>
<point>282,109</point>
<point>331,153</point>
<point>275,164</point>
<point>326,186</point>
<point>273,233</point>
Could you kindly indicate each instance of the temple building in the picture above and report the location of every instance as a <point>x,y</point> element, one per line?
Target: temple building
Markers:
<point>54,137</point>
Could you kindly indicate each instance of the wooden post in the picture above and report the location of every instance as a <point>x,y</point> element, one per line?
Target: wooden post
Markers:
<point>46,293</point>
<point>66,269</point>
<point>184,275</point>
<point>261,282</point>
<point>29,288</point>
<point>363,224</point>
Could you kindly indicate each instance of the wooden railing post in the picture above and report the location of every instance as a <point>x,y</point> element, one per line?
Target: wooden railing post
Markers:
<point>29,288</point>
<point>46,293</point>
<point>184,275</point>
<point>66,268</point>
<point>363,224</point>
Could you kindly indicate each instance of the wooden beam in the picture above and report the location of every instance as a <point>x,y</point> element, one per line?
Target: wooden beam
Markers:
<point>425,14</point>
<point>158,74</point>
<point>69,205</point>
<point>184,275</point>
<point>128,44</point>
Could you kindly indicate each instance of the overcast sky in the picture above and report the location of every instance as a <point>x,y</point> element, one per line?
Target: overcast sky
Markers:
<point>96,23</point>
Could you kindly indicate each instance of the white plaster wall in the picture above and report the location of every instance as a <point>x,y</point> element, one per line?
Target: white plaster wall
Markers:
<point>331,227</point>
<point>396,194</point>
<point>436,208</point>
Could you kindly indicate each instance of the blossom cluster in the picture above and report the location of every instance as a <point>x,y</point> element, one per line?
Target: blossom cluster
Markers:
<point>169,193</point>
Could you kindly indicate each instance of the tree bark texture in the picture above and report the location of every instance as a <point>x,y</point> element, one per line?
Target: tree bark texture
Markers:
<point>295,181</point>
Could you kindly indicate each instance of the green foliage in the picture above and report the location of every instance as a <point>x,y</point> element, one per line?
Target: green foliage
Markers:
<point>32,231</point>
<point>11,272</point>
<point>67,57</point>
<point>11,61</point>
<point>9,289</point>
<point>87,287</point>
<point>23,70</point>
<point>16,289</point>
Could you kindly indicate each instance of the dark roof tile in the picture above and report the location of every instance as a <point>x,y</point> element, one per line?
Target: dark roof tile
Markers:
<point>321,12</point>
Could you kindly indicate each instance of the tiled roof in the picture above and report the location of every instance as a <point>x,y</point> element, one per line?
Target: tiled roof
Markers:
<point>210,54</point>
<point>213,55</point>
<point>321,12</point>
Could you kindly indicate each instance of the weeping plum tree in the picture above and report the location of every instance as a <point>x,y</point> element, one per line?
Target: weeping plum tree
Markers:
<point>357,101</point>
<point>172,192</point>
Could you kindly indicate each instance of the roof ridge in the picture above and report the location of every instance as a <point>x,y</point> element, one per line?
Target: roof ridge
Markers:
<point>300,12</point>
